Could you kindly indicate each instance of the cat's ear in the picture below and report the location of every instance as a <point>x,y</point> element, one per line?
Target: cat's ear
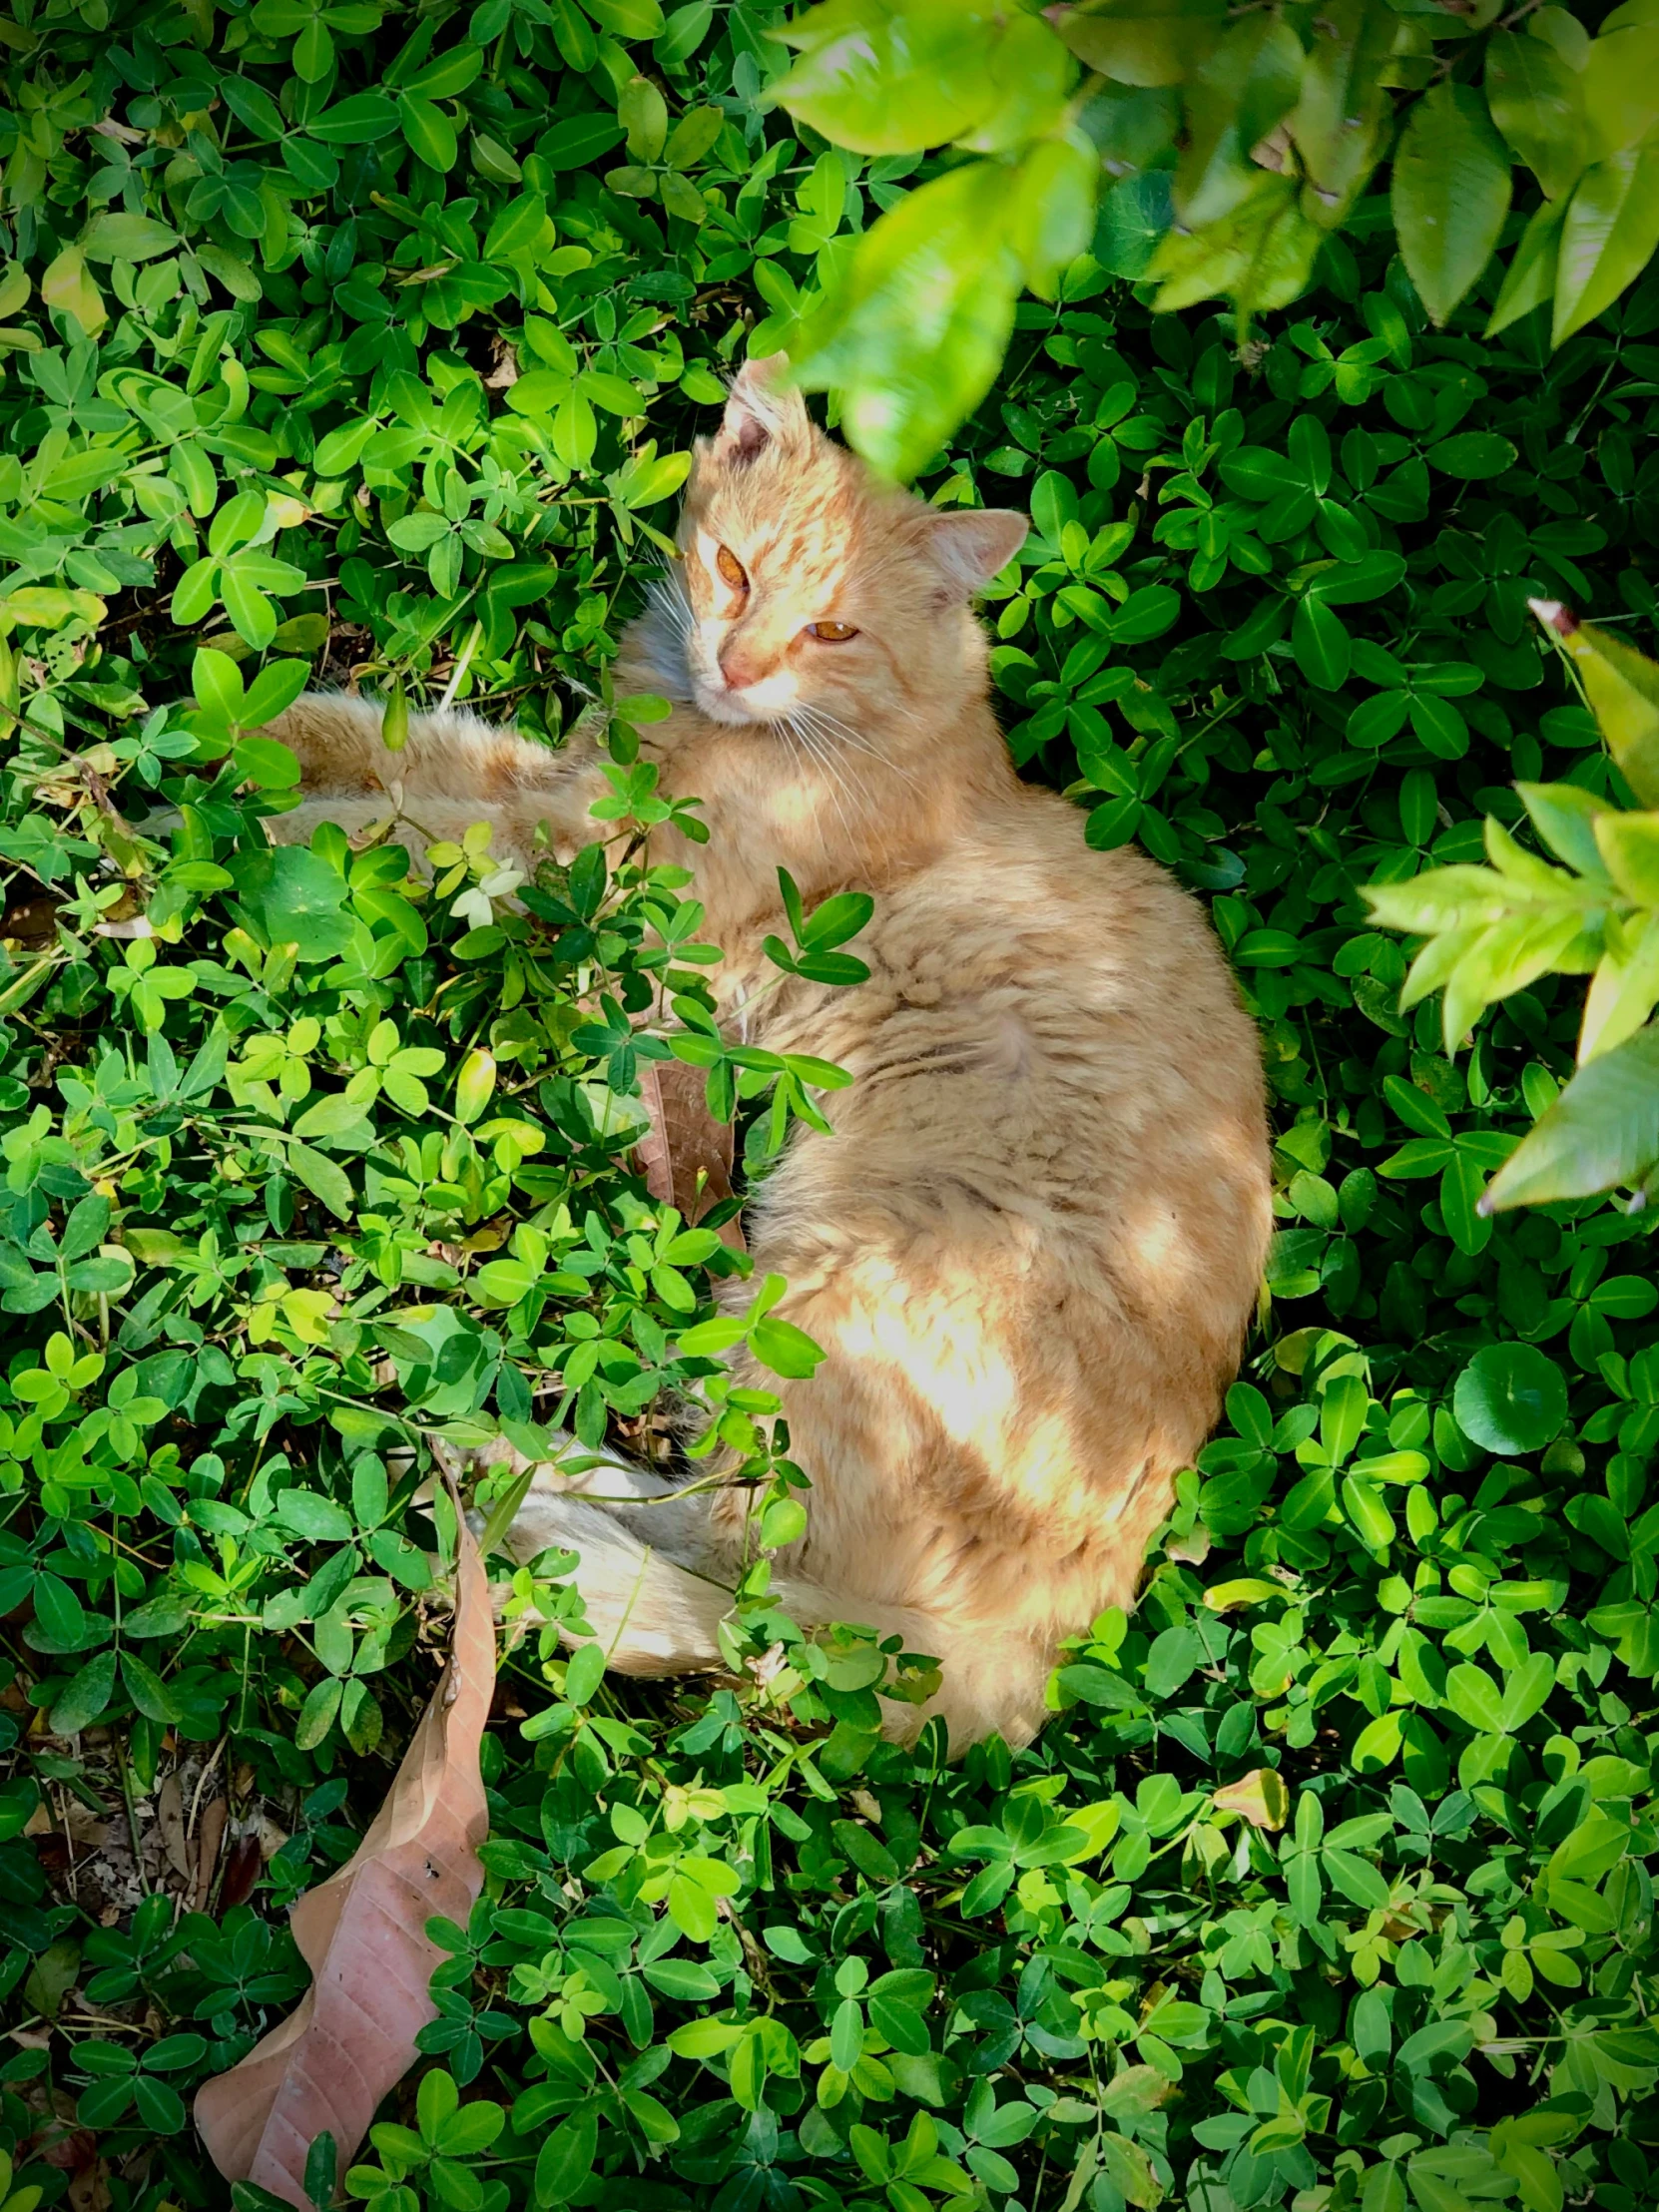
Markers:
<point>970,545</point>
<point>761,410</point>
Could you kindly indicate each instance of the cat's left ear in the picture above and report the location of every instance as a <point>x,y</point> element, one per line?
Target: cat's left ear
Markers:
<point>761,410</point>
<point>970,545</point>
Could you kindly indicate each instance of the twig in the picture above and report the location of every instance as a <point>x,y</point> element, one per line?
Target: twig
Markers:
<point>201,1785</point>
<point>131,1815</point>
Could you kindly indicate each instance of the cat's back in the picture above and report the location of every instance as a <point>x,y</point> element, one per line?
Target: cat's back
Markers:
<point>1056,1110</point>
<point>1101,974</point>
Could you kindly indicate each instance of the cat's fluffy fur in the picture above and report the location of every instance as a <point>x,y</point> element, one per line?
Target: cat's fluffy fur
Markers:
<point>1032,1248</point>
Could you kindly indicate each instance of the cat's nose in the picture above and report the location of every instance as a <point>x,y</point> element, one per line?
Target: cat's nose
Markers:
<point>743,666</point>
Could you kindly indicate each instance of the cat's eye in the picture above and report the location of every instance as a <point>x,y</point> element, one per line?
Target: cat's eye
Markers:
<point>731,568</point>
<point>832,632</point>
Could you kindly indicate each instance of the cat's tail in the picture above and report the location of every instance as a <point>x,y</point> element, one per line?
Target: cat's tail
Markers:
<point>655,1615</point>
<point>448,754</point>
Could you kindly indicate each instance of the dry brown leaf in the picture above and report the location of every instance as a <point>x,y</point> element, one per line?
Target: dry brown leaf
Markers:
<point>241,1870</point>
<point>169,1819</point>
<point>209,1839</point>
<point>686,1155</point>
<point>363,1933</point>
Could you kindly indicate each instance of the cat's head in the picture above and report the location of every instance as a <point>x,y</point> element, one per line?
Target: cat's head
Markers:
<point>808,587</point>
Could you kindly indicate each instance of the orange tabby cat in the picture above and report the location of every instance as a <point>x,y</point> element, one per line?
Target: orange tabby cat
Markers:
<point>1032,1247</point>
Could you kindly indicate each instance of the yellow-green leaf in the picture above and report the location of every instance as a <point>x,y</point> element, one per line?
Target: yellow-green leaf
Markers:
<point>68,287</point>
<point>1258,1797</point>
<point>1608,237</point>
<point>1450,194</point>
<point>1143,42</point>
<point>1530,279</point>
<point>1622,687</point>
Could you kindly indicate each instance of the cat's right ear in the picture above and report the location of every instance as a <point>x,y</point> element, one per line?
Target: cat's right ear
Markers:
<point>762,410</point>
<point>973,544</point>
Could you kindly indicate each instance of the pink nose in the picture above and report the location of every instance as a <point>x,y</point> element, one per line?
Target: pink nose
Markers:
<point>741,668</point>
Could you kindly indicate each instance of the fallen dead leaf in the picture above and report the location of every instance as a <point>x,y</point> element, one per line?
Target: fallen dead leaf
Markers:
<point>169,1819</point>
<point>89,2187</point>
<point>241,1870</point>
<point>686,1155</point>
<point>363,1933</point>
<point>504,370</point>
<point>209,1837</point>
<point>84,1827</point>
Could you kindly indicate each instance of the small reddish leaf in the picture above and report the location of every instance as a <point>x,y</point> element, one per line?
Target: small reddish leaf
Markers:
<point>686,1155</point>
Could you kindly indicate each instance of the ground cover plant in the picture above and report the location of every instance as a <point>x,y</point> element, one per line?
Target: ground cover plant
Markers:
<point>350,343</point>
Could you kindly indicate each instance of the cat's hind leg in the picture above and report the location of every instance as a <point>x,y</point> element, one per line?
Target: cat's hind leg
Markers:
<point>666,1517</point>
<point>653,1583</point>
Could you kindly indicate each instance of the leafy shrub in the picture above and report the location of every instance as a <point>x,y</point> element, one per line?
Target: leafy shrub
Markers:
<point>1219,155</point>
<point>1330,1883</point>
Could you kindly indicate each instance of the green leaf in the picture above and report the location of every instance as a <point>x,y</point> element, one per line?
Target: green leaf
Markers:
<point>1608,237</point>
<point>428,132</point>
<point>1537,103</point>
<point>474,1085</point>
<point>126,238</point>
<point>1143,42</point>
<point>693,137</point>
<point>1133,217</point>
<point>1530,279</point>
<point>914,337</point>
<point>1472,454</point>
<point>1338,118</point>
<point>1352,583</point>
<point>1474,1696</point>
<point>577,140</point>
<point>85,1696</point>
<point>1356,1878</point>
<point>1628,847</point>
<point>887,81</point>
<point>1621,85</point>
<point>357,121</point>
<point>1247,83</point>
<point>1450,194</point>
<point>295,896</point>
<point>1052,208</point>
<point>318,1713</point>
<point>1259,256</point>
<point>627,18</point>
<point>1622,687</point>
<point>323,1179</point>
<point>251,614</point>
<point>1526,1691</point>
<point>1322,648</point>
<point>67,287</point>
<point>1602,1133</point>
<point>517,226</point>
<point>1511,1397</point>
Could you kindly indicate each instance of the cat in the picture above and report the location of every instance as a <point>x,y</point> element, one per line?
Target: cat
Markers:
<point>1031,1249</point>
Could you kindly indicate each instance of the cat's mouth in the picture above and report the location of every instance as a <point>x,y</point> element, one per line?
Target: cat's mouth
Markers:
<point>755,705</point>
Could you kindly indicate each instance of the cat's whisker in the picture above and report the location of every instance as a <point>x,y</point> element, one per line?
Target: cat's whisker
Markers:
<point>852,779</point>
<point>830,776</point>
<point>668,596</point>
<point>842,733</point>
<point>835,732</point>
<point>829,744</point>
